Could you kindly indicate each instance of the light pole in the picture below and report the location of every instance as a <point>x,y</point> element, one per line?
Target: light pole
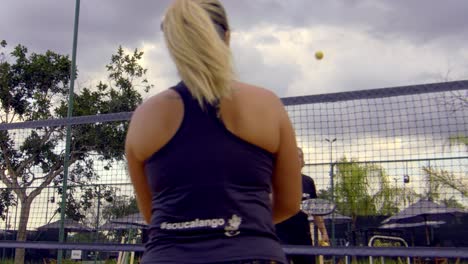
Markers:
<point>332,186</point>
<point>397,200</point>
<point>47,207</point>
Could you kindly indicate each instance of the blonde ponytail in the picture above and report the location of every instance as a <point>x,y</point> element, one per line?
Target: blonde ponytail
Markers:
<point>192,30</point>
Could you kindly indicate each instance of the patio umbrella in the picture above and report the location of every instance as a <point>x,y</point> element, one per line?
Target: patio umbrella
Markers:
<point>409,225</point>
<point>338,218</point>
<point>132,220</point>
<point>116,226</point>
<point>424,212</point>
<point>69,226</point>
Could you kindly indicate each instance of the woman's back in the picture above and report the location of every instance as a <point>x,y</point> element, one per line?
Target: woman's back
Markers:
<point>211,188</point>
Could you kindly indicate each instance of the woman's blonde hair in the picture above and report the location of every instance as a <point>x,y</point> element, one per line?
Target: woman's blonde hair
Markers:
<point>195,32</point>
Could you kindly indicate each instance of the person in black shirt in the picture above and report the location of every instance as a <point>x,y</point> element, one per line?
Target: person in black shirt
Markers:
<point>296,230</point>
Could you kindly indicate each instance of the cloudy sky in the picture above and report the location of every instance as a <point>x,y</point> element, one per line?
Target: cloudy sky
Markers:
<point>367,43</point>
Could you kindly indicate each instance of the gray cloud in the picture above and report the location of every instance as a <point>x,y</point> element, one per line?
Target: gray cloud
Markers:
<point>104,25</point>
<point>425,26</point>
<point>122,21</point>
<point>48,24</point>
<point>425,20</point>
<point>126,21</point>
<point>40,25</point>
<point>421,20</point>
<point>252,68</point>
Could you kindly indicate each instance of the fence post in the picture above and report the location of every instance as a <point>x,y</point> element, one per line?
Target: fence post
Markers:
<point>68,137</point>
<point>97,222</point>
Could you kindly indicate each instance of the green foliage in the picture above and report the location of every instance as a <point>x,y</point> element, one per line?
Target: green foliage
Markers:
<point>352,189</point>
<point>452,203</point>
<point>87,237</point>
<point>30,85</point>
<point>433,192</point>
<point>69,261</point>
<point>121,206</point>
<point>325,194</point>
<point>82,201</point>
<point>442,178</point>
<point>459,139</point>
<point>7,199</point>
<point>362,190</point>
<point>35,87</point>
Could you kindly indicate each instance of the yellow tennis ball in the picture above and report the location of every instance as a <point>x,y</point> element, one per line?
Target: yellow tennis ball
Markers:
<point>319,55</point>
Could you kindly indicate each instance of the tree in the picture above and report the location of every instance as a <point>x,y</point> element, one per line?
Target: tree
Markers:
<point>362,190</point>
<point>434,186</point>
<point>122,205</point>
<point>454,102</point>
<point>449,179</point>
<point>459,140</point>
<point>441,177</point>
<point>97,204</point>
<point>452,203</point>
<point>403,196</point>
<point>85,202</point>
<point>35,87</point>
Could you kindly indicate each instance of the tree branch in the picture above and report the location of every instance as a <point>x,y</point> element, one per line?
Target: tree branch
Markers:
<point>449,180</point>
<point>37,178</point>
<point>12,117</point>
<point>6,181</point>
<point>12,172</point>
<point>27,184</point>
<point>49,178</point>
<point>27,162</point>
<point>20,192</point>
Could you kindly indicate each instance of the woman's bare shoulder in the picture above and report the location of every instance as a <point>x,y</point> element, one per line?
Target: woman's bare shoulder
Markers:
<point>252,89</point>
<point>259,95</point>
<point>156,116</point>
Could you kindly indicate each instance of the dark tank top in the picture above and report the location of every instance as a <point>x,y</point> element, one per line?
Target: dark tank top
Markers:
<point>210,189</point>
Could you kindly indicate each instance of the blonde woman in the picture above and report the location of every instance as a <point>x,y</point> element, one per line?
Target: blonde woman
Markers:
<point>205,155</point>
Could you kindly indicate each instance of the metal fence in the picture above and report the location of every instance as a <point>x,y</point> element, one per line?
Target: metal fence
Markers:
<point>374,153</point>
